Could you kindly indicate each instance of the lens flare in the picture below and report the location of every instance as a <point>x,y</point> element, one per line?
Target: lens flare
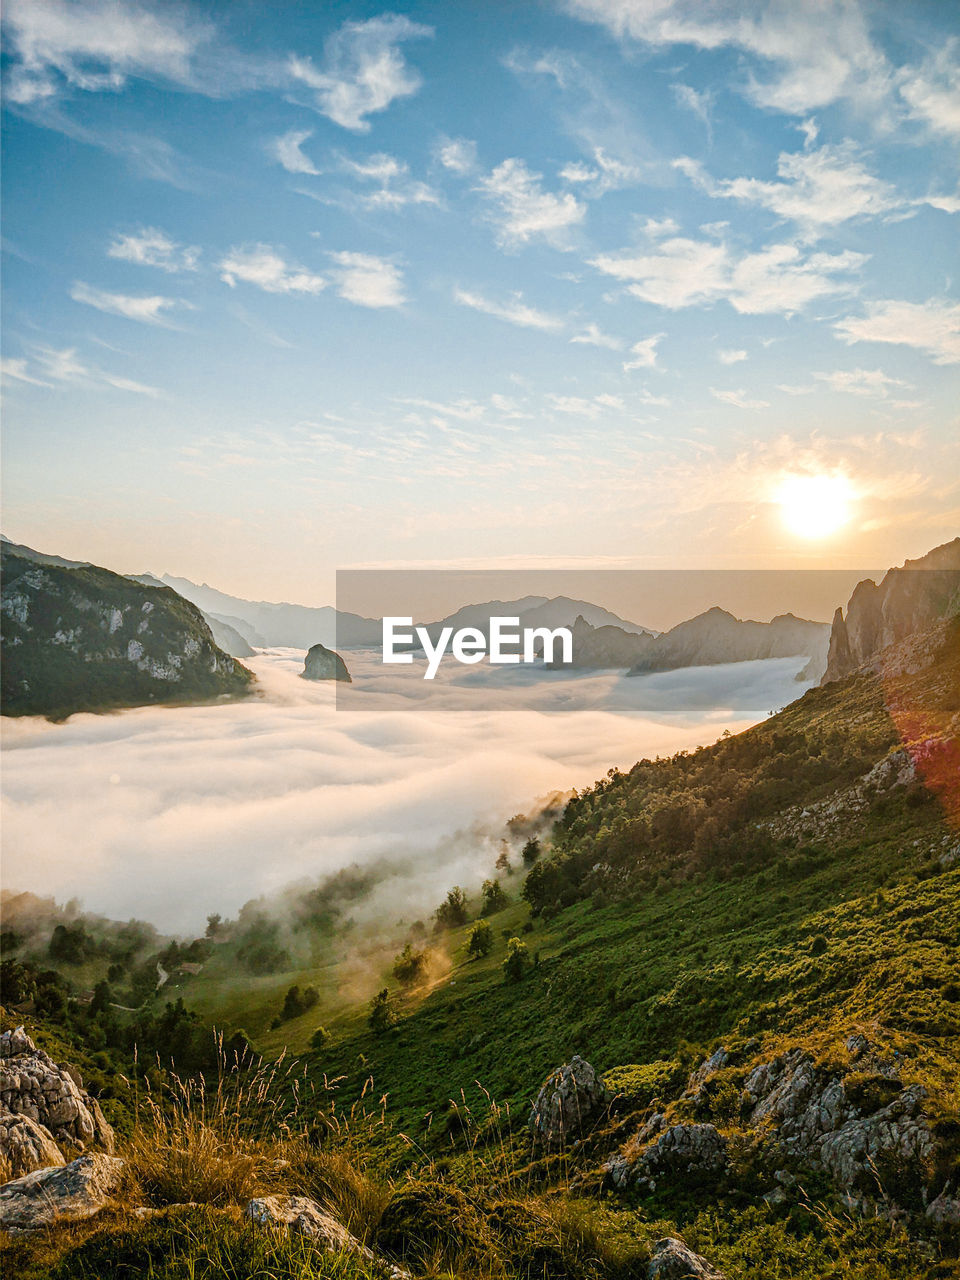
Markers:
<point>815,506</point>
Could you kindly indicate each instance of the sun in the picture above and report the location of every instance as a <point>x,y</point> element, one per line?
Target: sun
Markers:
<point>815,506</point>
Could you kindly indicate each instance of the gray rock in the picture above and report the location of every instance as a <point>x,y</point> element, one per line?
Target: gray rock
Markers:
<point>716,1062</point>
<point>325,664</point>
<point>27,1145</point>
<point>696,1151</point>
<point>302,1216</point>
<point>945,1210</point>
<point>570,1099</point>
<point>32,1085</point>
<point>77,1190</point>
<point>671,1259</point>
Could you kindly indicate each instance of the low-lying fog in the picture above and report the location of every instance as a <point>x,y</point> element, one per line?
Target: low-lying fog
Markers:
<point>168,814</point>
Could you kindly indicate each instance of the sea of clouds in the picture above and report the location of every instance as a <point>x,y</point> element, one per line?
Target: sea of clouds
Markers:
<point>168,814</point>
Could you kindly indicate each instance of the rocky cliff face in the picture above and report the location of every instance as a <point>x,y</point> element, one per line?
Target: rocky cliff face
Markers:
<point>86,639</point>
<point>907,601</point>
<point>324,664</point>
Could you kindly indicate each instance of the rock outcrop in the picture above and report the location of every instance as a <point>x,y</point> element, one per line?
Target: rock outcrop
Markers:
<point>77,1190</point>
<point>302,1216</point>
<point>907,601</point>
<point>325,664</point>
<point>570,1100</point>
<point>86,639</point>
<point>671,1259</point>
<point>682,1153</point>
<point>43,1108</point>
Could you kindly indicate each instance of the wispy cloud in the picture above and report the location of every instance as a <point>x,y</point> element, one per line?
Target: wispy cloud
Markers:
<point>932,90</point>
<point>459,155</point>
<point>390,183</point>
<point>49,366</point>
<point>700,102</point>
<point>516,311</point>
<point>15,369</point>
<point>682,272</point>
<point>151,247</point>
<point>861,382</point>
<point>593,336</point>
<point>523,211</point>
<point>816,189</point>
<point>148,309</point>
<point>265,267</point>
<point>739,399</point>
<point>367,280</point>
<point>730,356</point>
<point>933,327</point>
<point>288,152</point>
<point>363,70</point>
<point>644,353</point>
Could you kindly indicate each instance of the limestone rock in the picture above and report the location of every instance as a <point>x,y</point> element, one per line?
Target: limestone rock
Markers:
<point>325,664</point>
<point>26,1145</point>
<point>687,1151</point>
<point>945,1210</point>
<point>303,1216</point>
<point>33,1086</point>
<point>570,1099</point>
<point>672,1260</point>
<point>716,1062</point>
<point>77,1190</point>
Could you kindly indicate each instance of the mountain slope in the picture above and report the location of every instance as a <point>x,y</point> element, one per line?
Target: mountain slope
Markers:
<point>86,639</point>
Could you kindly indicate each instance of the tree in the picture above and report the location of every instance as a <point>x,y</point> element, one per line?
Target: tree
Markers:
<point>453,910</point>
<point>503,858</point>
<point>319,1039</point>
<point>409,966</point>
<point>494,899</point>
<point>480,942</point>
<point>516,960</point>
<point>530,852</point>
<point>383,1015</point>
<point>214,924</point>
<point>102,996</point>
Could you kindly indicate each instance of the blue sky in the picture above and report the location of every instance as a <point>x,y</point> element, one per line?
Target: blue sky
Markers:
<point>294,287</point>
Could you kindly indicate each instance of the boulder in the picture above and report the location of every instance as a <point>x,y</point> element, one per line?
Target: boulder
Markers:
<point>945,1210</point>
<point>325,664</point>
<point>27,1145</point>
<point>696,1152</point>
<point>570,1099</point>
<point>302,1216</point>
<point>34,1086</point>
<point>672,1260</point>
<point>77,1190</point>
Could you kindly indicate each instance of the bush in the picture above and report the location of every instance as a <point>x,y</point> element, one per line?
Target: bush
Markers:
<point>409,966</point>
<point>818,946</point>
<point>516,960</point>
<point>480,942</point>
<point>383,1014</point>
<point>320,1039</point>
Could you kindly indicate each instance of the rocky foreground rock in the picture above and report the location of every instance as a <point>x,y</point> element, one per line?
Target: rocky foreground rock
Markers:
<point>44,1110</point>
<point>76,1190</point>
<point>302,1216</point>
<point>571,1098</point>
<point>672,1260</point>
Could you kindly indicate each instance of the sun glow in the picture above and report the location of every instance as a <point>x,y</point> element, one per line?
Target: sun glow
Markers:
<point>815,506</point>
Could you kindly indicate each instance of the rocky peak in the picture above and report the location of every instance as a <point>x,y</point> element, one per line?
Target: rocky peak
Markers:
<point>325,664</point>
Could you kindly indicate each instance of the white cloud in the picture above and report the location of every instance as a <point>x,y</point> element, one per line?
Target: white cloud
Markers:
<point>268,270</point>
<point>817,189</point>
<point>94,45</point>
<point>525,211</point>
<point>367,280</point>
<point>739,399</point>
<point>681,272</point>
<point>933,327</point>
<point>818,53</point>
<point>15,369</point>
<point>932,92</point>
<point>730,356</point>
<point>606,173</point>
<point>860,382</point>
<point>515,311</point>
<point>458,154</point>
<point>53,365</point>
<point>147,309</point>
<point>287,151</point>
<point>363,71</point>
<point>151,247</point>
<point>644,353</point>
<point>789,390</point>
<point>394,187</point>
<point>593,336</point>
<point>700,103</point>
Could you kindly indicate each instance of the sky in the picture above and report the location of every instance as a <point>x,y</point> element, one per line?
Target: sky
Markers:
<point>293,288</point>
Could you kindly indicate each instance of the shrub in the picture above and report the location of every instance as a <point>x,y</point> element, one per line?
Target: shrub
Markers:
<point>383,1014</point>
<point>480,942</point>
<point>818,946</point>
<point>409,966</point>
<point>320,1039</point>
<point>516,960</point>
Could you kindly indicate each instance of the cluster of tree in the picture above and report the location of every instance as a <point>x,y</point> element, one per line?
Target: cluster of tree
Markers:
<point>694,811</point>
<point>493,898</point>
<point>259,945</point>
<point>296,1002</point>
<point>452,912</point>
<point>410,965</point>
